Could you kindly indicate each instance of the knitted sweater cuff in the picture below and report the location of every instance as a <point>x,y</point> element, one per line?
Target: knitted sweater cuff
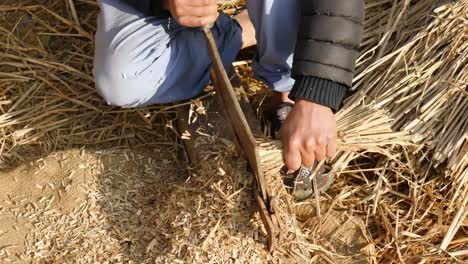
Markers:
<point>320,91</point>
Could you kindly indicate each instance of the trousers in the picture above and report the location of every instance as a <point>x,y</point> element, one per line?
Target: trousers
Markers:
<point>142,60</point>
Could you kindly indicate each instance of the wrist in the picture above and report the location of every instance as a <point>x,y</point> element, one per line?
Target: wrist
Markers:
<point>321,91</point>
<point>309,104</point>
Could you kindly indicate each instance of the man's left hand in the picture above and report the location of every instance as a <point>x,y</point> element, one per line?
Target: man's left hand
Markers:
<point>308,134</point>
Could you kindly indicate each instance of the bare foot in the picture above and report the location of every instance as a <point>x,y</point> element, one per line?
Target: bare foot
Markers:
<point>248,30</point>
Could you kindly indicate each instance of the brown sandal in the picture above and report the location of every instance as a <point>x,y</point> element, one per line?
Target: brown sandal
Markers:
<point>301,184</point>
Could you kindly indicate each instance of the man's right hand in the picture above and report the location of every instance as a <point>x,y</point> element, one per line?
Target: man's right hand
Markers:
<point>193,13</point>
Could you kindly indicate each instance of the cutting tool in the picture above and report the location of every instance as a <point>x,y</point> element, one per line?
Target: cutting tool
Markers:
<point>244,139</point>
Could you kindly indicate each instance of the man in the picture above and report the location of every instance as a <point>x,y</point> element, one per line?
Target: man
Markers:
<point>151,52</point>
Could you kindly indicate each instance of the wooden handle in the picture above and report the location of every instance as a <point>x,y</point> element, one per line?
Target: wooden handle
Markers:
<point>207,28</point>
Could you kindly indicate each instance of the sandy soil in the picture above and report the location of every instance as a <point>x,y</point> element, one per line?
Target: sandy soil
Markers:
<point>122,206</point>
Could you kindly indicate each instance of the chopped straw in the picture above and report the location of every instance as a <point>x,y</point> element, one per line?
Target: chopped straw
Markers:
<point>401,188</point>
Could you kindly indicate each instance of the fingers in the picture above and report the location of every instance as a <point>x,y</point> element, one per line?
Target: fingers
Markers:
<point>332,147</point>
<point>292,157</point>
<point>308,134</point>
<point>199,3</point>
<point>307,158</point>
<point>313,150</point>
<point>320,152</point>
<point>192,3</point>
<point>194,13</point>
<point>190,21</point>
<point>307,153</point>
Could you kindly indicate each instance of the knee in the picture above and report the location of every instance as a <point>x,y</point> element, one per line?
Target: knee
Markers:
<point>118,83</point>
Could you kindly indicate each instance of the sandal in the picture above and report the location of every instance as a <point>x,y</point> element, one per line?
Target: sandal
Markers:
<point>278,118</point>
<point>301,184</point>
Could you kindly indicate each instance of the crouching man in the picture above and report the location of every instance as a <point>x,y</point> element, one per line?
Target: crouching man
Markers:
<point>153,52</point>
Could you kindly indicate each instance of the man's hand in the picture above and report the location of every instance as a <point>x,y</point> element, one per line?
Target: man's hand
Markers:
<point>193,13</point>
<point>308,134</point>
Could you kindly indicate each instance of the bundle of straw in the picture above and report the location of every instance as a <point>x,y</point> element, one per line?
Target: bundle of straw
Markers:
<point>359,129</point>
<point>424,86</point>
<point>410,107</point>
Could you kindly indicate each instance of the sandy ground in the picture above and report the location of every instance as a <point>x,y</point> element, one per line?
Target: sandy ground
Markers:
<point>121,206</point>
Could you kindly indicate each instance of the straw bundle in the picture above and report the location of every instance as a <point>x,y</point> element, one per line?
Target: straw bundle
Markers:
<point>359,129</point>
<point>419,79</point>
<point>423,84</point>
